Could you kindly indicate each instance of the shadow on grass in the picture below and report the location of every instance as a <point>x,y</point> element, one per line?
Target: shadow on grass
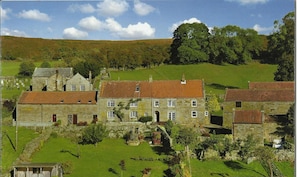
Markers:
<point>219,174</point>
<point>221,87</point>
<point>11,143</point>
<point>160,150</point>
<point>111,170</point>
<point>237,166</point>
<point>67,151</point>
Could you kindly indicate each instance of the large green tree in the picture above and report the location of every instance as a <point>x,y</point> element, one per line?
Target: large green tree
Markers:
<point>281,47</point>
<point>26,68</point>
<point>190,44</point>
<point>94,134</point>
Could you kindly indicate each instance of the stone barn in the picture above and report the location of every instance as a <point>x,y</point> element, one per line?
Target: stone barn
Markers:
<point>47,108</point>
<point>50,79</point>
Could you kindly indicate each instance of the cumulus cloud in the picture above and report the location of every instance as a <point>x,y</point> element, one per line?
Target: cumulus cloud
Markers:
<point>9,32</point>
<point>73,33</point>
<point>34,15</point>
<point>91,23</point>
<point>112,8</point>
<point>175,25</point>
<point>262,30</point>
<point>245,2</point>
<point>84,8</point>
<point>4,13</point>
<point>142,9</point>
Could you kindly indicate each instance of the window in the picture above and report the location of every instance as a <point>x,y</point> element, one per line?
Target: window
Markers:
<point>36,170</point>
<point>82,87</point>
<point>206,113</point>
<point>137,88</point>
<point>54,118</point>
<point>73,87</point>
<point>156,103</point>
<point>194,103</point>
<point>95,118</point>
<point>110,114</point>
<point>134,104</point>
<point>133,114</point>
<point>171,103</point>
<point>171,116</point>
<point>110,103</point>
<point>238,104</point>
<point>194,114</point>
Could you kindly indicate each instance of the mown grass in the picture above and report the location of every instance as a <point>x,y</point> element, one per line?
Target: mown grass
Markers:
<point>11,150</point>
<point>101,160</point>
<point>104,159</point>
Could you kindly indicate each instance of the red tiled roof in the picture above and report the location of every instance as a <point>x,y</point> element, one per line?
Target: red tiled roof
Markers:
<point>249,95</point>
<point>272,85</point>
<point>154,89</point>
<point>248,117</point>
<point>58,97</point>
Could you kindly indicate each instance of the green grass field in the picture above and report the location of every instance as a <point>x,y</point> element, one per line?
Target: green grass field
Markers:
<point>104,159</point>
<point>10,151</point>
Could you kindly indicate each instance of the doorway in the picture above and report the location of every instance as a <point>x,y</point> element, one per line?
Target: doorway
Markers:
<point>157,116</point>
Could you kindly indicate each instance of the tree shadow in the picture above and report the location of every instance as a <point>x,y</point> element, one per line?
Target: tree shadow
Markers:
<point>10,140</point>
<point>237,166</point>
<point>67,151</point>
<point>161,150</point>
<point>219,174</point>
<point>111,170</point>
<point>220,86</point>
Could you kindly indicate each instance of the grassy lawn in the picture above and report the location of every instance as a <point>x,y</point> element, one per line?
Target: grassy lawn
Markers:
<point>104,159</point>
<point>9,154</point>
<point>101,160</point>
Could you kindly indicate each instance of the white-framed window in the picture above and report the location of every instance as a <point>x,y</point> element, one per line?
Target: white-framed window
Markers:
<point>110,114</point>
<point>133,114</point>
<point>82,87</point>
<point>194,114</point>
<point>156,103</point>
<point>171,103</point>
<point>206,113</point>
<point>194,103</point>
<point>110,103</point>
<point>133,104</point>
<point>73,87</point>
<point>171,115</point>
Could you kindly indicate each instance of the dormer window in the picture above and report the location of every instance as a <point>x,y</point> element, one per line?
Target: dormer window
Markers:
<point>78,101</point>
<point>62,101</point>
<point>137,88</point>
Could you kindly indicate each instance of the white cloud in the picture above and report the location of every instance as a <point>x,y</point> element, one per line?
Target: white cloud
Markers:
<point>4,14</point>
<point>34,15</point>
<point>262,30</point>
<point>73,33</point>
<point>112,8</point>
<point>244,2</point>
<point>91,23</point>
<point>84,8</point>
<point>175,25</point>
<point>9,32</point>
<point>132,31</point>
<point>142,9</point>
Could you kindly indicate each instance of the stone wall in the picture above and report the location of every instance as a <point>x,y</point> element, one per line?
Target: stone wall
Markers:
<point>241,131</point>
<point>42,115</point>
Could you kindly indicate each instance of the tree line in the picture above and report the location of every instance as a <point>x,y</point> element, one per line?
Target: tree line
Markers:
<point>191,44</point>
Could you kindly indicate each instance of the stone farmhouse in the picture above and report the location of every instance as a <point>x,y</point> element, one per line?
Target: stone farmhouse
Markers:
<point>37,108</point>
<point>180,101</point>
<point>50,79</point>
<point>59,79</point>
<point>251,111</point>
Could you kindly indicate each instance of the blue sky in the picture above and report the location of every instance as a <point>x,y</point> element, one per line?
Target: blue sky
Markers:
<point>134,19</point>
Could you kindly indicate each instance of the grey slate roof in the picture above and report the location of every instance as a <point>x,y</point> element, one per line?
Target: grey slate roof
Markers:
<point>48,72</point>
